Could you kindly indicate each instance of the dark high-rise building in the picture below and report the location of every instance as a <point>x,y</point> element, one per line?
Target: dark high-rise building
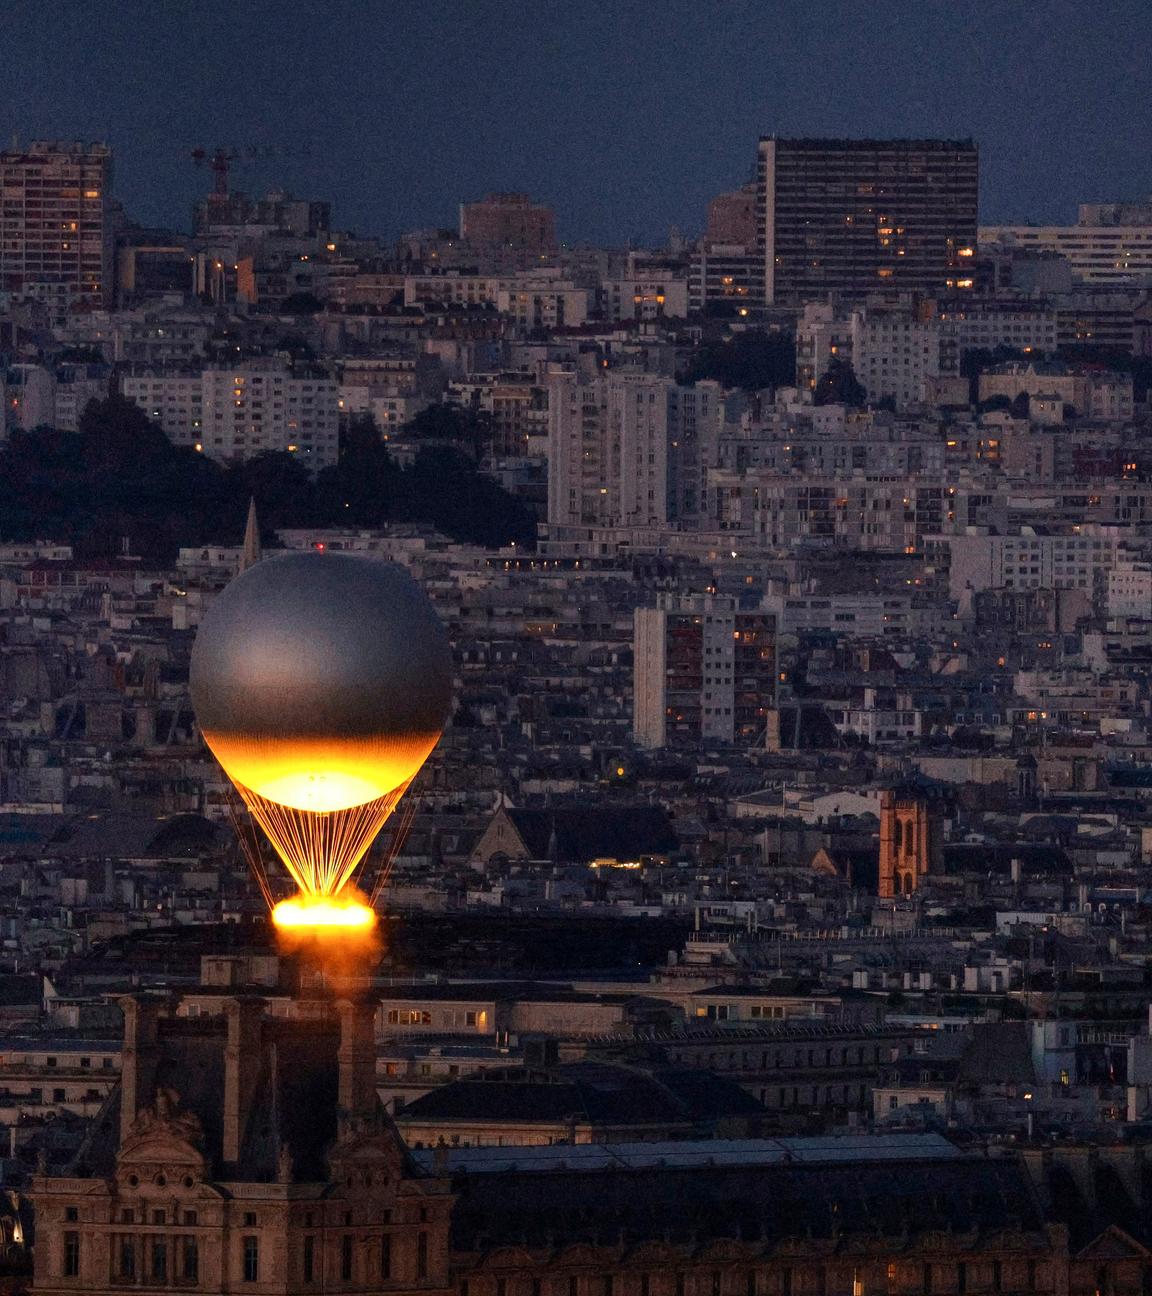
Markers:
<point>853,216</point>
<point>55,227</point>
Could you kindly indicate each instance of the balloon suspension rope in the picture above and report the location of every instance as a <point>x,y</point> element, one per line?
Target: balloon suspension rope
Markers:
<point>321,849</point>
<point>396,838</point>
<point>245,831</point>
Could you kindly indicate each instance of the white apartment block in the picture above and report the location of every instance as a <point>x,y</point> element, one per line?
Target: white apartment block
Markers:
<point>704,670</point>
<point>1079,560</point>
<point>1130,590</point>
<point>38,397</point>
<point>173,398</point>
<point>871,615</point>
<point>389,411</point>
<point>628,449</point>
<point>644,298</point>
<point>862,511</point>
<point>1099,254</point>
<point>534,300</point>
<point>244,410</point>
<point>894,355</point>
<point>253,409</point>
<point>987,325</point>
<point>821,337</point>
<point>544,306</point>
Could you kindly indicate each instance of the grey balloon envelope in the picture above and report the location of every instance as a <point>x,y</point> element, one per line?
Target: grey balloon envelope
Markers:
<point>309,653</point>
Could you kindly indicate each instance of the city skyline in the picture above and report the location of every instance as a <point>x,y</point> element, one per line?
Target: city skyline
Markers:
<point>623,136</point>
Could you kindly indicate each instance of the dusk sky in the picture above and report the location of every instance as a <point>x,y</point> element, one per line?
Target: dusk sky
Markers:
<point>627,117</point>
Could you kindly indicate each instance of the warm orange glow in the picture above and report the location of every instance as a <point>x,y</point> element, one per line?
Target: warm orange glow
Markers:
<point>308,913</point>
<point>321,774</point>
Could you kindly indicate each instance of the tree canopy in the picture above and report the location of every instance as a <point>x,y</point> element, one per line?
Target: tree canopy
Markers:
<point>120,477</point>
<point>752,360</point>
<point>838,385</point>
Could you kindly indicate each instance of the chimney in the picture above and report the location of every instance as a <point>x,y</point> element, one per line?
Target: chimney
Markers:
<point>242,1058</point>
<point>140,1057</point>
<point>357,1057</point>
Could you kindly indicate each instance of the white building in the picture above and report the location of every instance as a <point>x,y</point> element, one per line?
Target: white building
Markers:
<point>1130,590</point>
<point>894,355</point>
<point>244,410</point>
<point>628,449</point>
<point>171,397</point>
<point>644,298</point>
<point>704,670</point>
<point>986,325</point>
<point>821,337</point>
<point>1099,254</point>
<point>1030,561</point>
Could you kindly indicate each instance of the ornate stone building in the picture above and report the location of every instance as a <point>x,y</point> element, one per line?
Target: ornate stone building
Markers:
<point>245,1153</point>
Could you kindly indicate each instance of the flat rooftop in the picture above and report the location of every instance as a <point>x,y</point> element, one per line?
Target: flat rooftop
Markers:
<point>689,1155</point>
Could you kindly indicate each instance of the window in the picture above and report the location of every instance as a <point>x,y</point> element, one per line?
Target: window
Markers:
<point>159,1268</point>
<point>422,1256</point>
<point>608,1285</point>
<point>125,1253</point>
<point>249,1219</point>
<point>190,1260</point>
<point>346,1257</point>
<point>71,1214</point>
<point>159,1217</point>
<point>251,1266</point>
<point>386,1256</point>
<point>190,1217</point>
<point>309,1258</point>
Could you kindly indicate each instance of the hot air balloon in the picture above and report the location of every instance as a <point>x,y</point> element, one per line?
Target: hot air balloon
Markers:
<point>321,682</point>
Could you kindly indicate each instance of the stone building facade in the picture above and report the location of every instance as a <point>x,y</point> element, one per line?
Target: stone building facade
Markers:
<point>248,1154</point>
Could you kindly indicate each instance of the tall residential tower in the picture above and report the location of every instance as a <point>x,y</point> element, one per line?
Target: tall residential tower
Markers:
<point>56,239</point>
<point>853,216</point>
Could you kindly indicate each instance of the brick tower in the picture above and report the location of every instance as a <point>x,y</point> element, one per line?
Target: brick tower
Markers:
<point>910,839</point>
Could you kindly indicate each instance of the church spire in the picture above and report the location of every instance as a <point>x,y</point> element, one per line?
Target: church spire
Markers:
<point>250,552</point>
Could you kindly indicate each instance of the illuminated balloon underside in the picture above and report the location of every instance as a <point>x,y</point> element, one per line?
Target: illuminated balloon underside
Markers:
<point>321,683</point>
<point>321,849</point>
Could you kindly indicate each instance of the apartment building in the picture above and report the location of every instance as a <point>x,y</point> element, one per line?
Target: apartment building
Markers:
<point>628,449</point>
<point>243,410</point>
<point>855,215</point>
<point>56,238</point>
<point>705,670</point>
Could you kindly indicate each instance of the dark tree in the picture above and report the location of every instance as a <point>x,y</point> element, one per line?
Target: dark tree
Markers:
<point>750,360</point>
<point>120,477</point>
<point>1019,407</point>
<point>466,429</point>
<point>838,385</point>
<point>301,303</point>
<point>976,360</point>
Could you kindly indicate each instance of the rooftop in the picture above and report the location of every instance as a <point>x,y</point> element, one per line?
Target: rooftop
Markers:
<point>687,1155</point>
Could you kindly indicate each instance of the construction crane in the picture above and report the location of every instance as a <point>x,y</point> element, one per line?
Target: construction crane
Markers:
<point>220,160</point>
